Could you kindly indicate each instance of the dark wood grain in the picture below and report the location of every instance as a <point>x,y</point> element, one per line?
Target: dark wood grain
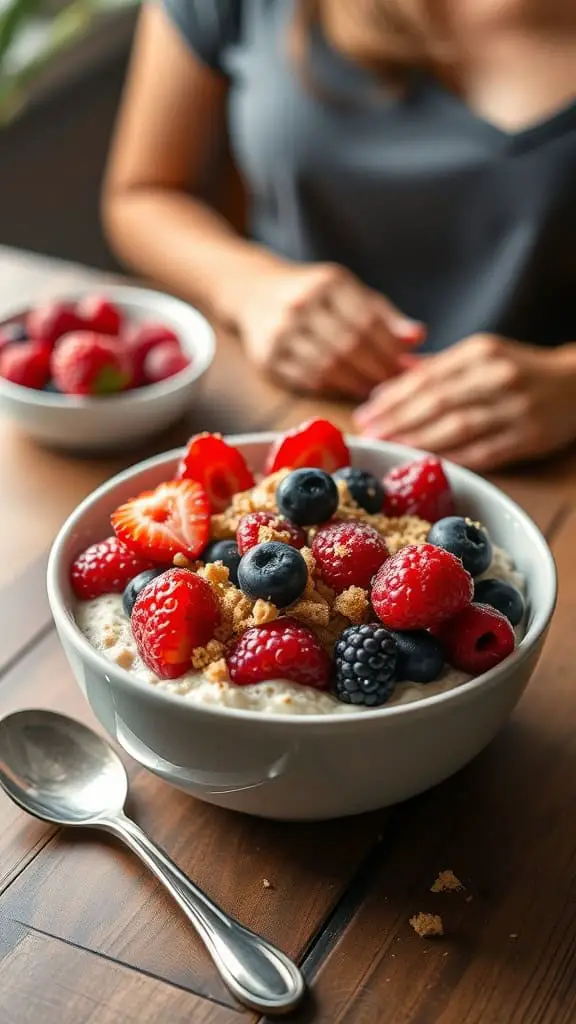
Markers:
<point>43,979</point>
<point>504,825</point>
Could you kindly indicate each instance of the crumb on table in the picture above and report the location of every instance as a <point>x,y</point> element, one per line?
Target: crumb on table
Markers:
<point>267,883</point>
<point>447,882</point>
<point>427,926</point>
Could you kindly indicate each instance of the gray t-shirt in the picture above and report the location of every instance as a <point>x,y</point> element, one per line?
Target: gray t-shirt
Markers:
<point>464,226</point>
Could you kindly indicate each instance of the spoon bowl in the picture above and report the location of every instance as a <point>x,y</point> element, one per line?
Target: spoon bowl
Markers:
<point>59,770</point>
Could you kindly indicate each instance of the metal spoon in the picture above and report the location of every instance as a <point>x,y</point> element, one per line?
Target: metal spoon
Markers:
<point>59,770</point>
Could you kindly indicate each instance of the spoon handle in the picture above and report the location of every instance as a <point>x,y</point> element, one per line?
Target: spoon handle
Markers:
<point>258,974</point>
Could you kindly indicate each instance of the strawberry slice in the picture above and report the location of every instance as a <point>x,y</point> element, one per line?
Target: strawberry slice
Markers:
<point>317,443</point>
<point>173,519</point>
<point>220,468</point>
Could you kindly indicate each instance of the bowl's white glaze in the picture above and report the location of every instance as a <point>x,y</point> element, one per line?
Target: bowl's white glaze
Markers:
<point>305,767</point>
<point>117,421</point>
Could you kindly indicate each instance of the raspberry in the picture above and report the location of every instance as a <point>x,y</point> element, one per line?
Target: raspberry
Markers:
<point>165,360</point>
<point>348,555</point>
<point>49,322</point>
<point>105,568</point>
<point>84,363</point>
<point>97,313</point>
<point>173,615</point>
<point>27,364</point>
<point>247,534</point>
<point>476,639</point>
<point>282,649</point>
<point>419,489</point>
<point>420,587</point>
<point>140,340</point>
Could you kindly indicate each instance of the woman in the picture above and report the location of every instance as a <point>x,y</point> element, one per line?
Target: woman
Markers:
<point>411,173</point>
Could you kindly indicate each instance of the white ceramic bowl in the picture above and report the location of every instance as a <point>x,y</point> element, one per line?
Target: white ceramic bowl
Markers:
<point>305,767</point>
<point>118,421</point>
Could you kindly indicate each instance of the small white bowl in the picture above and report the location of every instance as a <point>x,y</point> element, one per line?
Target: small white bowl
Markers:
<point>112,422</point>
<point>305,767</point>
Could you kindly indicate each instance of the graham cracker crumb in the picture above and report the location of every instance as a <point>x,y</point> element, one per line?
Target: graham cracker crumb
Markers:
<point>329,635</point>
<point>310,612</point>
<point>217,671</point>
<point>353,603</point>
<point>108,638</point>
<point>263,611</point>
<point>215,572</point>
<point>180,561</point>
<point>223,525</point>
<point>204,656</point>
<point>125,658</point>
<point>273,532</point>
<point>447,882</point>
<point>341,550</point>
<point>309,559</point>
<point>427,926</point>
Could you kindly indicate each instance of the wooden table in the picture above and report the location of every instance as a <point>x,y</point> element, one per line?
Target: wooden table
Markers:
<point>87,936</point>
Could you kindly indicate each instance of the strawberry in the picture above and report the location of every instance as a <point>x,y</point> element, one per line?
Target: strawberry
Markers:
<point>173,615</point>
<point>105,568</point>
<point>84,363</point>
<point>173,519</point>
<point>220,468</point>
<point>27,364</point>
<point>317,443</point>
<point>141,340</point>
<point>49,322</point>
<point>97,313</point>
<point>163,361</point>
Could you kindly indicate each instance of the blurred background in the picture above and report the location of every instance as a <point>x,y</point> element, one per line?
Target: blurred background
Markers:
<point>62,64</point>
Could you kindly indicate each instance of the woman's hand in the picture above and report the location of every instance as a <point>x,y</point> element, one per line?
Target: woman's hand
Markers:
<point>485,402</point>
<point>316,328</point>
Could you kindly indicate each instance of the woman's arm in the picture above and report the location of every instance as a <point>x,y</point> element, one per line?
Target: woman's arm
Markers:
<point>171,123</point>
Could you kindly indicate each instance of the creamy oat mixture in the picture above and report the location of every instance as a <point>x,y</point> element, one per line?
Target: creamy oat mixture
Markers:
<point>107,628</point>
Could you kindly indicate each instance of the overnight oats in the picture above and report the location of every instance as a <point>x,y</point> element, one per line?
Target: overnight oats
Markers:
<point>314,589</point>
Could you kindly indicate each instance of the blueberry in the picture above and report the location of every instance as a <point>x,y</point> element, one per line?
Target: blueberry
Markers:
<point>366,490</point>
<point>466,540</point>
<point>274,572</point>
<point>420,656</point>
<point>136,586</point>
<point>502,596</point>
<point>307,497</point>
<point>225,551</point>
<point>13,333</point>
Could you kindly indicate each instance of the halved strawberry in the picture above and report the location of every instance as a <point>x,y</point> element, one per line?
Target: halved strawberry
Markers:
<point>317,443</point>
<point>173,519</point>
<point>220,468</point>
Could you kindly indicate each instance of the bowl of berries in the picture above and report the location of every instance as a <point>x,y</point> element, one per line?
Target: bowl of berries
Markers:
<point>302,626</point>
<point>99,372</point>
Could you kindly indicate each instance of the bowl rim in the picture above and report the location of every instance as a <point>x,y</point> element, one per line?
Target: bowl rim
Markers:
<point>66,623</point>
<point>123,294</point>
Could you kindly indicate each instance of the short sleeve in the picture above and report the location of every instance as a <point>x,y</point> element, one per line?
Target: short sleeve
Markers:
<point>208,26</point>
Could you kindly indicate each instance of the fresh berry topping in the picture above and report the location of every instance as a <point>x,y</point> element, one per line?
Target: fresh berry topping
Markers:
<point>419,489</point>
<point>307,497</point>
<point>164,360</point>
<point>98,314</point>
<point>172,616</point>
<point>274,572</point>
<point>420,656</point>
<point>141,340</point>
<point>220,468</point>
<point>50,322</point>
<point>465,539</point>
<point>225,551</point>
<point>364,488</point>
<point>502,596</point>
<point>249,527</point>
<point>366,659</point>
<point>136,586</point>
<point>476,639</point>
<point>348,555</point>
<point>419,587</point>
<point>105,568</point>
<point>84,363</point>
<point>316,443</point>
<point>173,519</point>
<point>12,334</point>
<point>27,364</point>
<point>282,649</point>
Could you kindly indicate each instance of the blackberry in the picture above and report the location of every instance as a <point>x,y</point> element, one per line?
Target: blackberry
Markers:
<point>365,671</point>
